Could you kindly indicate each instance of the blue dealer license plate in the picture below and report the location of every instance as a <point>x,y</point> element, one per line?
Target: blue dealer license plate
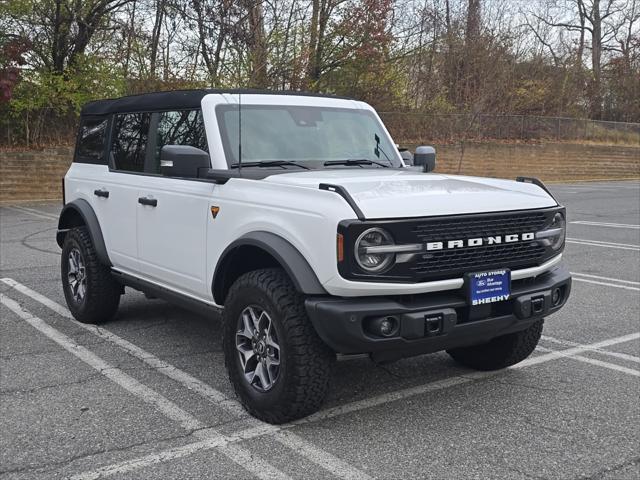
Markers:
<point>489,287</point>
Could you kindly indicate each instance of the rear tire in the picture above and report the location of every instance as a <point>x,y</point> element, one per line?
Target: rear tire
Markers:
<point>91,293</point>
<point>500,352</point>
<point>284,369</point>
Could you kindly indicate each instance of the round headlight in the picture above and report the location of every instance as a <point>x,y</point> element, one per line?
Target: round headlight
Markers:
<point>369,256</point>
<point>558,222</point>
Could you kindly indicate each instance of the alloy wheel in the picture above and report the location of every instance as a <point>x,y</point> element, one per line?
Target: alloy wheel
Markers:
<point>258,348</point>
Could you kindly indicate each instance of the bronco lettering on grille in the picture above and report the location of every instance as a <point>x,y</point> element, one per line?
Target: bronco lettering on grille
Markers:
<point>477,242</point>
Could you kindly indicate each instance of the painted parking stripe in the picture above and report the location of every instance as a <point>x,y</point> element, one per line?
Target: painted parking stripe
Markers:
<point>554,355</point>
<point>33,212</point>
<point>593,243</point>
<point>257,466</point>
<point>315,454</point>
<point>606,284</point>
<point>604,224</point>
<point>336,466</point>
<point>353,406</point>
<point>615,244</point>
<point>599,363</point>
<point>371,402</point>
<point>568,343</point>
<point>598,277</point>
<point>154,362</point>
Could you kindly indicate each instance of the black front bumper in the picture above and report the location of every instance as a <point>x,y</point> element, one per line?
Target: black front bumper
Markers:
<point>434,321</point>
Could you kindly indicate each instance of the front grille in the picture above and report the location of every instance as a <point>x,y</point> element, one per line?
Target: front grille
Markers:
<point>454,262</point>
<point>474,227</point>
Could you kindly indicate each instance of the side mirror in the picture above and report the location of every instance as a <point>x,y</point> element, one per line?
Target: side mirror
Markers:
<point>183,161</point>
<point>426,158</point>
<point>407,156</point>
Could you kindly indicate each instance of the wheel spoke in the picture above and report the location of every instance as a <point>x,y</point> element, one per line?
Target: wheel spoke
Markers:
<point>254,319</point>
<point>272,343</point>
<point>262,376</point>
<point>248,322</point>
<point>246,354</point>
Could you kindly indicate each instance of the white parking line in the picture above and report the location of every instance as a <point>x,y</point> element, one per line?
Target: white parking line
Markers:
<point>245,459</point>
<point>311,452</point>
<point>554,355</point>
<point>33,212</point>
<point>331,463</point>
<point>598,277</point>
<point>322,458</point>
<point>156,363</point>
<point>596,243</point>
<point>599,363</point>
<point>606,284</point>
<point>604,224</point>
<point>568,343</point>
<point>365,404</point>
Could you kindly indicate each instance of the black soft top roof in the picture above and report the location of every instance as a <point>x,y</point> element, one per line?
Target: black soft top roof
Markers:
<point>174,99</point>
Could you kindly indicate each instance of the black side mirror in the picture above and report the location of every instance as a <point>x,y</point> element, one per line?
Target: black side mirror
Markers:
<point>183,161</point>
<point>426,158</point>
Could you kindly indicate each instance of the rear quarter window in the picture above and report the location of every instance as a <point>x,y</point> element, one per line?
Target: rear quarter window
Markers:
<point>90,146</point>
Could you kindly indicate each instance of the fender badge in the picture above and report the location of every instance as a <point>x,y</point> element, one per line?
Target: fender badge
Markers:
<point>214,211</point>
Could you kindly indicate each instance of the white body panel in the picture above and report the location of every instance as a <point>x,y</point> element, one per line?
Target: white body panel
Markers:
<point>116,214</point>
<point>172,237</point>
<point>382,193</point>
<point>178,243</point>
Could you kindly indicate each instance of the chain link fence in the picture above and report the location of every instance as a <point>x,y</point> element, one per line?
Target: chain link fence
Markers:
<point>415,128</point>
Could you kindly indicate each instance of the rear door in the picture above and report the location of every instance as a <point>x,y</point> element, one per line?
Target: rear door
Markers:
<point>173,217</point>
<point>116,196</point>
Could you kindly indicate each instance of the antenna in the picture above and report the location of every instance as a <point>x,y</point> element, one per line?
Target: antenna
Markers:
<point>239,132</point>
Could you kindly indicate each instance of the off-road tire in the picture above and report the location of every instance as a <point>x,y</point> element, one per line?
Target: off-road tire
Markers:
<point>500,352</point>
<point>306,362</point>
<point>102,295</point>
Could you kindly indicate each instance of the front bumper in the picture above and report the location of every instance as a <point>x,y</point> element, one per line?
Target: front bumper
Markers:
<point>340,321</point>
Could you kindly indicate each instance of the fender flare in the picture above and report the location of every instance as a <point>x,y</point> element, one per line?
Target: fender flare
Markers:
<point>82,208</point>
<point>292,261</point>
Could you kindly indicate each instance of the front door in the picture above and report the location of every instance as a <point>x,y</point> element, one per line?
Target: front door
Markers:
<point>173,213</point>
<point>172,233</point>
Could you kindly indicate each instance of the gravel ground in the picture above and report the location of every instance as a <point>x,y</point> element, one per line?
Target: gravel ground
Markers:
<point>147,395</point>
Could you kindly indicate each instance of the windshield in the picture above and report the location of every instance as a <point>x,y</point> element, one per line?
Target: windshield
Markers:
<point>309,136</point>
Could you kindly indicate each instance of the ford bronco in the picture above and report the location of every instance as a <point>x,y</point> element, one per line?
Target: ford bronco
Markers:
<point>298,216</point>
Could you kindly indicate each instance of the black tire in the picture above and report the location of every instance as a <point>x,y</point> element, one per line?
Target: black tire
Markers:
<point>305,361</point>
<point>102,293</point>
<point>500,352</point>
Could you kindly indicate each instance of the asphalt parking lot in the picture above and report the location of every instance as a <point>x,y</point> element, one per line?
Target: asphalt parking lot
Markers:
<point>147,395</point>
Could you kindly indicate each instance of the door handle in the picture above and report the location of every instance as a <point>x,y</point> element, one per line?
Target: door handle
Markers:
<point>101,193</point>
<point>152,202</point>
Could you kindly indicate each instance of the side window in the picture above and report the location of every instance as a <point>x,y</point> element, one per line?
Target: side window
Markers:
<point>184,127</point>
<point>91,140</point>
<point>130,135</point>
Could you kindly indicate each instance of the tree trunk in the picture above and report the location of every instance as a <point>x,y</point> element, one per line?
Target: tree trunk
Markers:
<point>312,67</point>
<point>257,46</point>
<point>155,37</point>
<point>596,62</point>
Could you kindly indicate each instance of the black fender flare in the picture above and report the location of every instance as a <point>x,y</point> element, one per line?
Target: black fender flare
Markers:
<point>82,208</point>
<point>292,261</point>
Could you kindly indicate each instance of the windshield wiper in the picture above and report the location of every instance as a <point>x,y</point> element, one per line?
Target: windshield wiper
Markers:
<point>355,161</point>
<point>269,163</point>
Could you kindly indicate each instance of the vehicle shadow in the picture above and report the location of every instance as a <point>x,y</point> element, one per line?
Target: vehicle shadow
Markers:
<point>178,336</point>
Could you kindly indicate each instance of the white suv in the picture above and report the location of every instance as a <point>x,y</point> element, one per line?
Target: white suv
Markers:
<point>297,215</point>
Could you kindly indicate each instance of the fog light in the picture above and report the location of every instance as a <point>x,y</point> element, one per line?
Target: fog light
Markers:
<point>386,327</point>
<point>556,297</point>
<point>383,326</point>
